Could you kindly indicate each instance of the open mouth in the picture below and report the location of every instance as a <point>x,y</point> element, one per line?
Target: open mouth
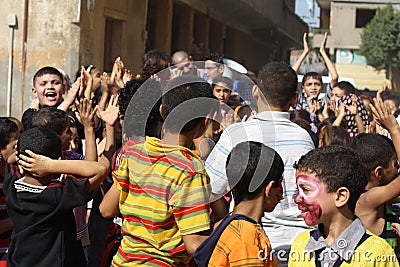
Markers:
<point>51,95</point>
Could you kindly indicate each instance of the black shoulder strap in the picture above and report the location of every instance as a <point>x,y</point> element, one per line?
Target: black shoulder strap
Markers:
<point>203,253</point>
<point>340,260</point>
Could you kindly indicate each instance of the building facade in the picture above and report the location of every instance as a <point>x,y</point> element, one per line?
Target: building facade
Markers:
<point>70,33</point>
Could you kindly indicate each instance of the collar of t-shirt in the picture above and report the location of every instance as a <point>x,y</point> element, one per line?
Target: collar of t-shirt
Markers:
<point>344,245</point>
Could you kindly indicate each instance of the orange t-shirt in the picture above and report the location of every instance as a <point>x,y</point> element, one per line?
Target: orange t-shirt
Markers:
<point>243,244</point>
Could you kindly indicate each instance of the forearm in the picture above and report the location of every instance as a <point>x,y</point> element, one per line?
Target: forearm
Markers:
<point>360,124</point>
<point>103,99</point>
<point>90,144</point>
<point>64,105</point>
<point>395,135</point>
<point>331,68</point>
<point>300,60</point>
<point>88,89</point>
<point>338,121</point>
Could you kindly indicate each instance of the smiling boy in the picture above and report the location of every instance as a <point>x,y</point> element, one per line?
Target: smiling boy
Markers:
<point>330,180</point>
<point>48,88</point>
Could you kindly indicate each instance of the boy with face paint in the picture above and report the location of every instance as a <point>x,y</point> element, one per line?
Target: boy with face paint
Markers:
<point>330,180</point>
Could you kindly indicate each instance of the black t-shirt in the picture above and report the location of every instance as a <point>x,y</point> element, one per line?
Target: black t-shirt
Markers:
<point>44,225</point>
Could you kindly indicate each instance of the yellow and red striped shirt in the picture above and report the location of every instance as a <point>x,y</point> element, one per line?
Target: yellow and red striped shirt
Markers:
<point>164,192</point>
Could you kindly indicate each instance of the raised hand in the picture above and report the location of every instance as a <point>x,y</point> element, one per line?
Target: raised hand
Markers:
<point>383,116</point>
<point>86,113</point>
<point>322,48</point>
<point>127,76</point>
<point>313,104</point>
<point>111,114</point>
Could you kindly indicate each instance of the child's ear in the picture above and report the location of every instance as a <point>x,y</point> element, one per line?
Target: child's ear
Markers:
<point>342,197</point>
<point>161,112</point>
<point>34,92</point>
<point>255,92</point>
<point>268,189</point>
<point>379,173</point>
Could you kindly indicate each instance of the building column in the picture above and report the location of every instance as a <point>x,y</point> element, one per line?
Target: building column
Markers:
<point>163,26</point>
<point>182,31</point>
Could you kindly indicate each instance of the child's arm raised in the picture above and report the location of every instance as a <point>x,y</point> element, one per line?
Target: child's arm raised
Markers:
<point>379,195</point>
<point>41,166</point>
<point>331,68</point>
<point>86,118</point>
<point>303,56</point>
<point>109,206</point>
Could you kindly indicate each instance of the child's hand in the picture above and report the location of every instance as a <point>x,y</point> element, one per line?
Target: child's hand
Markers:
<point>323,44</point>
<point>305,43</point>
<point>111,114</point>
<point>37,165</point>
<point>127,76</point>
<point>396,228</point>
<point>383,116</point>
<point>353,107</point>
<point>313,104</point>
<point>86,113</point>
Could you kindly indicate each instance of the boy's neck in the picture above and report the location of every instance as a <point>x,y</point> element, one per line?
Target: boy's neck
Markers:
<point>178,139</point>
<point>336,226</point>
<point>36,181</point>
<point>251,208</point>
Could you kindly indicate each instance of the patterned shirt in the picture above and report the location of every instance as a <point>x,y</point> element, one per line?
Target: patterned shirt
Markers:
<point>243,244</point>
<point>164,195</point>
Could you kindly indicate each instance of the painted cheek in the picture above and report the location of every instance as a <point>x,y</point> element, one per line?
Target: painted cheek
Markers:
<point>312,213</point>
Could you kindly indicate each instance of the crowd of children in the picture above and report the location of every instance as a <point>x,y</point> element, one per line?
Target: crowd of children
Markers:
<point>173,167</point>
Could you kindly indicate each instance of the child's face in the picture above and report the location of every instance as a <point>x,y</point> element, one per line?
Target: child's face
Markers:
<point>96,75</point>
<point>311,196</point>
<point>48,89</point>
<point>65,138</point>
<point>392,171</point>
<point>222,92</point>
<point>8,153</point>
<point>391,105</point>
<point>337,93</point>
<point>312,87</point>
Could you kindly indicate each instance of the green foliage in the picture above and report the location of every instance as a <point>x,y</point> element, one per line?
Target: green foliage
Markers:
<point>380,39</point>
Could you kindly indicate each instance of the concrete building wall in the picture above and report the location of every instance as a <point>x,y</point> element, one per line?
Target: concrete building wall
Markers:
<point>70,33</point>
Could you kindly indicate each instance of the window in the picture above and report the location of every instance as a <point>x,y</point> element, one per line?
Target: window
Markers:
<point>364,16</point>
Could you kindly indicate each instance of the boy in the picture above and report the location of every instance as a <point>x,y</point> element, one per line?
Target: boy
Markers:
<point>311,84</point>
<point>379,157</point>
<point>40,204</point>
<point>161,187</point>
<point>330,180</point>
<point>256,188</point>
<point>48,88</point>
<point>9,134</point>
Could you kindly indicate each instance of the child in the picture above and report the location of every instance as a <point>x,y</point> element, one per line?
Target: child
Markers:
<point>330,180</point>
<point>311,84</point>
<point>48,88</point>
<point>256,188</point>
<point>379,157</point>
<point>161,186</point>
<point>9,135</point>
<point>40,204</point>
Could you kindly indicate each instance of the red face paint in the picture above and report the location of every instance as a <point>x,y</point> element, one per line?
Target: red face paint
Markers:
<point>307,199</point>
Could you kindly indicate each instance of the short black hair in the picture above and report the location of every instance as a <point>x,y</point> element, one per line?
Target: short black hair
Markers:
<point>7,129</point>
<point>345,86</point>
<point>186,101</point>
<point>277,81</point>
<point>52,118</point>
<point>311,74</point>
<point>142,118</point>
<point>336,166</point>
<point>40,141</point>
<point>216,57</point>
<point>223,79</point>
<point>264,165</point>
<point>374,150</point>
<point>47,70</point>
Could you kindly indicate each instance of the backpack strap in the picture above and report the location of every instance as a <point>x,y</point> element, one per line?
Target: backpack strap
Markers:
<point>340,260</point>
<point>203,253</point>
